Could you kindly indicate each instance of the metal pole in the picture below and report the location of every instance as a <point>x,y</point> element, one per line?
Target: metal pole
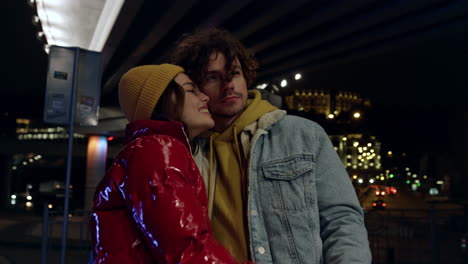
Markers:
<point>45,225</point>
<point>69,159</point>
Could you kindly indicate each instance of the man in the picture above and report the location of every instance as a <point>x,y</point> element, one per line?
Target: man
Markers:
<point>278,193</point>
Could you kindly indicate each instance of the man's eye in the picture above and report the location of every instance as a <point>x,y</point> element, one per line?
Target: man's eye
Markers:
<point>235,73</point>
<point>212,77</point>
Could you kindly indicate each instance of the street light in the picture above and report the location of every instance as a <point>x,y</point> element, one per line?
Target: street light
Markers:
<point>284,83</point>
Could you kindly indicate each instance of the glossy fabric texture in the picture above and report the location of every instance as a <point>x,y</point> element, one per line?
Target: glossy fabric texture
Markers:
<point>151,206</point>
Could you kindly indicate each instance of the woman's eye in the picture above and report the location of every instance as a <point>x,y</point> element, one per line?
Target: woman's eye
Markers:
<point>190,91</point>
<point>235,73</point>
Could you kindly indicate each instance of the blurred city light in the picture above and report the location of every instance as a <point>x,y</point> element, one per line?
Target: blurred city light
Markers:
<point>433,191</point>
<point>284,83</point>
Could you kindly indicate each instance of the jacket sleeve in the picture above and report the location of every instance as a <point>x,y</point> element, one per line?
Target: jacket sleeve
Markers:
<point>343,231</point>
<point>166,197</point>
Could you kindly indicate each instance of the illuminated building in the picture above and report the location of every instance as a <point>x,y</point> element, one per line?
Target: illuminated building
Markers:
<point>326,103</point>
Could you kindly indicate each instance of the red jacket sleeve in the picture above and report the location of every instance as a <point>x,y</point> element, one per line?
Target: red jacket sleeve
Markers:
<point>166,197</point>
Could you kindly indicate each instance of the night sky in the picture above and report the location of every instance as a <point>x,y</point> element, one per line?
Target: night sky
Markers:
<point>417,92</point>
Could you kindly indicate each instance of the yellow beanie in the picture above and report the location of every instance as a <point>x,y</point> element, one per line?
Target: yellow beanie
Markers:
<point>141,87</point>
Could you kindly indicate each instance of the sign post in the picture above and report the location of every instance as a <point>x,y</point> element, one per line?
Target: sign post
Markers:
<point>72,97</point>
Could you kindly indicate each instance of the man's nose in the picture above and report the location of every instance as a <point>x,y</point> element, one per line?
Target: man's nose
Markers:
<point>228,83</point>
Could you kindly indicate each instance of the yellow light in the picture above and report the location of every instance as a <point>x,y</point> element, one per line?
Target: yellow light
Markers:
<point>389,153</point>
<point>354,176</point>
<point>29,197</point>
<point>344,139</point>
<point>369,144</point>
<point>29,204</point>
<point>382,178</point>
<point>331,116</point>
<point>355,144</point>
<point>50,206</point>
<point>357,115</point>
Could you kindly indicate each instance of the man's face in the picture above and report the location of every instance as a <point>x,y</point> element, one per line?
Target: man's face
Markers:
<point>227,90</point>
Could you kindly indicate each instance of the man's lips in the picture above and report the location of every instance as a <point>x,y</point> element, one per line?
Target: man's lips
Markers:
<point>229,98</point>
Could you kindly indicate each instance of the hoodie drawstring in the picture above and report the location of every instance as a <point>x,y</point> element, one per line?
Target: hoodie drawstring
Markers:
<point>237,150</point>
<point>210,181</point>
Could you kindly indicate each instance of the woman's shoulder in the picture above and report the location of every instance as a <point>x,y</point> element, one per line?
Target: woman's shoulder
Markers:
<point>152,145</point>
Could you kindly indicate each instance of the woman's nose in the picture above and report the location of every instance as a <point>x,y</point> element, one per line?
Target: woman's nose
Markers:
<point>203,97</point>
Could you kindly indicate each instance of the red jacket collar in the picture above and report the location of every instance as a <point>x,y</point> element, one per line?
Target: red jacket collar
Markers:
<point>142,128</point>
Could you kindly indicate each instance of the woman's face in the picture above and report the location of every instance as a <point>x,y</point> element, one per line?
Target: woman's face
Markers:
<point>195,115</point>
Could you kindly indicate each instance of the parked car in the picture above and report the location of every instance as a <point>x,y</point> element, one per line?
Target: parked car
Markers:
<point>379,204</point>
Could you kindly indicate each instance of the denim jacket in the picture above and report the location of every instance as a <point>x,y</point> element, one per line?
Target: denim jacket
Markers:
<point>302,207</point>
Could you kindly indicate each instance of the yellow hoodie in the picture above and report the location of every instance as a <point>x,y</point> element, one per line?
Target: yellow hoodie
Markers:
<point>230,194</point>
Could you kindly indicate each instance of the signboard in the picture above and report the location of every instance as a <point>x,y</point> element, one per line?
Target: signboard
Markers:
<point>69,69</point>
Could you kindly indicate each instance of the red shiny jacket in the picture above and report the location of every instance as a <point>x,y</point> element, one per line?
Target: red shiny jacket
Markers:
<point>151,205</point>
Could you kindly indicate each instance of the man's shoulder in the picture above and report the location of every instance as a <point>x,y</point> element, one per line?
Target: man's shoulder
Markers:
<point>296,122</point>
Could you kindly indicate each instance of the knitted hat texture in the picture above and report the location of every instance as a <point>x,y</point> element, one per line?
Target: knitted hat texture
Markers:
<point>141,87</point>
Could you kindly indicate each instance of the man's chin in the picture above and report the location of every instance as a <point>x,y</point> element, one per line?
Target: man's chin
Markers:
<point>228,113</point>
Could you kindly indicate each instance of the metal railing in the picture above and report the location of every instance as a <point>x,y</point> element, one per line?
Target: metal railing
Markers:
<point>78,236</point>
<point>396,236</point>
<point>417,236</point>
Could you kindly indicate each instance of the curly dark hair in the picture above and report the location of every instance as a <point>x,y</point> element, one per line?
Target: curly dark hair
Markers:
<point>192,52</point>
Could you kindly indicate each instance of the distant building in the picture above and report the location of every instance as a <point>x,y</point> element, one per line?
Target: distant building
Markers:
<point>327,103</point>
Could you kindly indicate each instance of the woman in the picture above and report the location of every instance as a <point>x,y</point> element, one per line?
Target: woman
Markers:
<point>151,206</point>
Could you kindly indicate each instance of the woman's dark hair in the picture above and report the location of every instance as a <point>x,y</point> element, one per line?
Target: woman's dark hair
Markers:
<point>167,110</point>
